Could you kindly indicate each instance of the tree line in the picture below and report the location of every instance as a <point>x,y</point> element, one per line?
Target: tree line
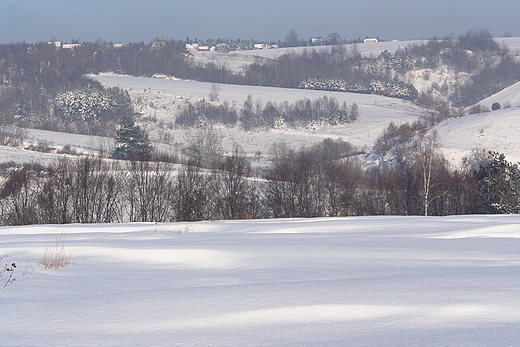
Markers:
<point>253,115</point>
<point>320,180</point>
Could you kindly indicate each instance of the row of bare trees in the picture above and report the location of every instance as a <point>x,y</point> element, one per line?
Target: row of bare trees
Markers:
<point>320,180</point>
<point>92,190</point>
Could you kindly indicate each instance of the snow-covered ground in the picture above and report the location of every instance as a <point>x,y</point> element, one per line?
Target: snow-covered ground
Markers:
<point>492,131</point>
<point>166,95</point>
<point>359,281</point>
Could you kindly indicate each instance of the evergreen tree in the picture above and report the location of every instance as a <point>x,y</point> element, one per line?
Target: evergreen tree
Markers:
<point>499,184</point>
<point>131,141</point>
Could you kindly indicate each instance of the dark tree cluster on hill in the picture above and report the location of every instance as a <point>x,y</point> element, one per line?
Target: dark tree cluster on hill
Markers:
<point>202,113</point>
<point>253,115</point>
<point>301,113</point>
<point>490,66</point>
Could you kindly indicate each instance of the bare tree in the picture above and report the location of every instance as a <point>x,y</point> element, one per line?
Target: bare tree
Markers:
<point>18,194</point>
<point>96,191</point>
<point>204,146</point>
<point>192,190</point>
<point>149,192</point>
<point>291,39</point>
<point>234,187</point>
<point>214,92</point>
<point>432,166</point>
<point>56,194</point>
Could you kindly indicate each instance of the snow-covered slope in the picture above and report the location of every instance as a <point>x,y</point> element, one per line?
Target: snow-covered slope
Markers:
<point>370,281</point>
<point>492,131</point>
<point>166,95</point>
<point>509,97</point>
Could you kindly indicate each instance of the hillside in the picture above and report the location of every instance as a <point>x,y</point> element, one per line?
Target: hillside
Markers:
<point>158,99</point>
<point>237,59</point>
<point>165,96</point>
<point>372,281</point>
<point>494,131</point>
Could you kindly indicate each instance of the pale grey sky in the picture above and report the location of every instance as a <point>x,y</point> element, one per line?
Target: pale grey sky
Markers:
<point>138,20</point>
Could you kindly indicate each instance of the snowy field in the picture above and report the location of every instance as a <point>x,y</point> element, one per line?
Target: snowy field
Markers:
<point>359,281</point>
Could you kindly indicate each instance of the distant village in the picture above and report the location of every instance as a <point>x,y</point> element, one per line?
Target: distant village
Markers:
<point>220,45</point>
<point>247,45</point>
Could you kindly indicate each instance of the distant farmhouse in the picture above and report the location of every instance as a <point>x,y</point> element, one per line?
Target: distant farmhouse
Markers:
<point>158,45</point>
<point>264,46</point>
<point>193,47</point>
<point>58,45</point>
<point>370,40</point>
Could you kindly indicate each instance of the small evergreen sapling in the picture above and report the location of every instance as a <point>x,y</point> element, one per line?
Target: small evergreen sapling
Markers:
<point>131,141</point>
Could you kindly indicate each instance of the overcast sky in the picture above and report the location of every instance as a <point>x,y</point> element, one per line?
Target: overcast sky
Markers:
<point>123,21</point>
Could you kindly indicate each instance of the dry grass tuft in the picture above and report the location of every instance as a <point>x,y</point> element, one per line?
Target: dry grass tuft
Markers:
<point>54,254</point>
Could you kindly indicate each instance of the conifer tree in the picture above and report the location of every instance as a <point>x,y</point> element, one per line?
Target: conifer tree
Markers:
<point>499,183</point>
<point>131,141</point>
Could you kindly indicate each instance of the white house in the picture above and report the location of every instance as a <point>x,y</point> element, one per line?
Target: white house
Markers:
<point>70,45</point>
<point>56,44</point>
<point>192,47</point>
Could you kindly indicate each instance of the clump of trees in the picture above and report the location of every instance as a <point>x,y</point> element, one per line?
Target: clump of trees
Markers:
<point>499,184</point>
<point>393,88</point>
<point>255,116</point>
<point>202,113</point>
<point>301,113</point>
<point>93,109</point>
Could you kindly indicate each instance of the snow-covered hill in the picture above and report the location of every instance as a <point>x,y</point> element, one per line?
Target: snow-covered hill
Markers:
<point>509,97</point>
<point>236,60</point>
<point>492,131</point>
<point>370,281</point>
<point>166,95</point>
<point>159,98</point>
